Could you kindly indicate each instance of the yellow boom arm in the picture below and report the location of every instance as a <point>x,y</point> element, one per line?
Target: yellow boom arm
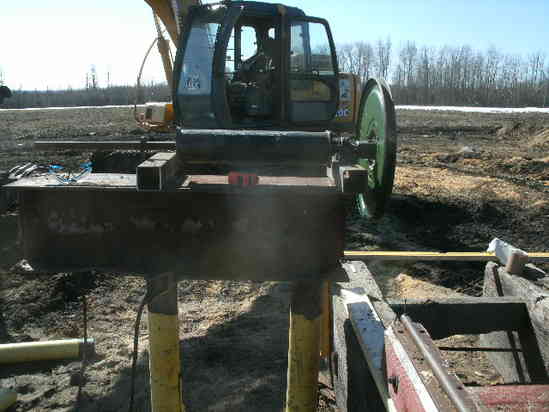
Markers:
<point>170,11</point>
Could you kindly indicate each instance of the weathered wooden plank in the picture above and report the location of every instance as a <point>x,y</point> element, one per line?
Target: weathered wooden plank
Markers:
<point>532,363</point>
<point>370,334</point>
<point>360,277</point>
<point>354,385</point>
<point>7,198</point>
<point>446,317</point>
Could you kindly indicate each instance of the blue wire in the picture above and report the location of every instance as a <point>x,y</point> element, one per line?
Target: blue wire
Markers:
<point>67,179</point>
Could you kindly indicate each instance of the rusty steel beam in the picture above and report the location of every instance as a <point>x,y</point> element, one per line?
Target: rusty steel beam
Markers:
<point>203,231</point>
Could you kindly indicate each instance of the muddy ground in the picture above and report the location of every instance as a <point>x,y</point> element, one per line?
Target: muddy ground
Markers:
<point>462,179</point>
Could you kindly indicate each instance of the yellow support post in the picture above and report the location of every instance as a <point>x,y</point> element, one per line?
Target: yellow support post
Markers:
<point>326,326</point>
<point>164,359</point>
<point>304,347</point>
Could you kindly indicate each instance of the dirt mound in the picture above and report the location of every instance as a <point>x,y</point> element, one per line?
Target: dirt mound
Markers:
<point>407,287</point>
<point>522,127</point>
<point>540,141</point>
<point>234,334</point>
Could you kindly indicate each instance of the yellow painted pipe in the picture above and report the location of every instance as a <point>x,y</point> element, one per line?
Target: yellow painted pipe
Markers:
<point>164,363</point>
<point>326,325</point>
<point>164,359</point>
<point>45,350</point>
<point>304,348</point>
<point>435,256</point>
<point>7,398</point>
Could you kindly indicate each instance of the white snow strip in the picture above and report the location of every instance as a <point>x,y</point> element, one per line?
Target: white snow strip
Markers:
<point>467,109</point>
<point>66,108</point>
<point>471,109</point>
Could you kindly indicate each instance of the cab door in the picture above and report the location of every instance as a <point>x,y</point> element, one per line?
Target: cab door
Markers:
<point>312,73</point>
<point>200,95</point>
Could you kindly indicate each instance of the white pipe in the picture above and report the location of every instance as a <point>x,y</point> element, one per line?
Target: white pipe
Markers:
<point>45,350</point>
<point>7,398</point>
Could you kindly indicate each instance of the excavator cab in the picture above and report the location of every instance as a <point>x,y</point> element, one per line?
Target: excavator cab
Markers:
<point>255,65</point>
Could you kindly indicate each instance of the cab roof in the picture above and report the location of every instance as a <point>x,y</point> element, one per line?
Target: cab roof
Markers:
<point>267,9</point>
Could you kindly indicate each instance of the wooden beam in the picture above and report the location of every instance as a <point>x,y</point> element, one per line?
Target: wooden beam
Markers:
<point>370,333</point>
<point>435,256</point>
<point>353,381</point>
<point>446,317</point>
<point>532,337</point>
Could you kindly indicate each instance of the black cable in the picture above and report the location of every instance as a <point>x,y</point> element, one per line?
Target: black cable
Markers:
<point>85,348</point>
<point>144,301</point>
<point>149,297</point>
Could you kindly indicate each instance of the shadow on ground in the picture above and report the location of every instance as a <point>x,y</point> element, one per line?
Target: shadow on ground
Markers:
<point>239,365</point>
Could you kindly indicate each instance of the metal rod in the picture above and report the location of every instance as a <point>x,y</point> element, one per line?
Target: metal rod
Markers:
<point>104,145</point>
<point>304,347</point>
<point>476,349</point>
<point>451,385</point>
<point>436,256</point>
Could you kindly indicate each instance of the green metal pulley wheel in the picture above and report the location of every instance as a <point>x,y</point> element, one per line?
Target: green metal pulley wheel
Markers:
<point>377,124</point>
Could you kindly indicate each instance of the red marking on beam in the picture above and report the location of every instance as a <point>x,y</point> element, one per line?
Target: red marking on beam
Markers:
<point>410,393</point>
<point>532,398</point>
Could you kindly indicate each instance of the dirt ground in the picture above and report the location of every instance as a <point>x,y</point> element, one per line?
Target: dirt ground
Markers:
<point>462,179</point>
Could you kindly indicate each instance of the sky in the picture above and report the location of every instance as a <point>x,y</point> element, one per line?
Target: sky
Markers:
<point>52,44</point>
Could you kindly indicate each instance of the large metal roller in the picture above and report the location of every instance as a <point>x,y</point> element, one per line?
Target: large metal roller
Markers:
<point>253,146</point>
<point>377,125</point>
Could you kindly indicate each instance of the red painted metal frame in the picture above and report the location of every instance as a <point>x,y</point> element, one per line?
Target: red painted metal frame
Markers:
<point>406,389</point>
<point>511,398</point>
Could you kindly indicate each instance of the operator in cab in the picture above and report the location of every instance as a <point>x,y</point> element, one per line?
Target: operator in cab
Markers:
<point>253,92</point>
<point>5,93</point>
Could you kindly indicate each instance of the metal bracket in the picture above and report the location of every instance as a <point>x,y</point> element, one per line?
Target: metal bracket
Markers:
<point>157,172</point>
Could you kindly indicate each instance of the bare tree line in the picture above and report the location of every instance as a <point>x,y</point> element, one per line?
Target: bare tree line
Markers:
<point>93,94</point>
<point>114,95</point>
<point>418,75</point>
<point>451,75</point>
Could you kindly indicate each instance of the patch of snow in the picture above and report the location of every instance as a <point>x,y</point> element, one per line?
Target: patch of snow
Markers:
<point>66,108</point>
<point>477,109</point>
<point>400,107</point>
